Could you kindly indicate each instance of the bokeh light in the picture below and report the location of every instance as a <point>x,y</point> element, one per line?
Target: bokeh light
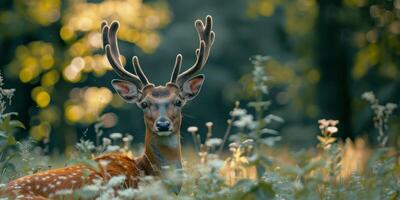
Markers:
<point>86,104</point>
<point>36,62</point>
<point>43,12</point>
<point>42,99</point>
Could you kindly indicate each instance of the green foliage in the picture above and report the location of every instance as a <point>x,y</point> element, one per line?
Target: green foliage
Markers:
<point>31,158</point>
<point>254,128</point>
<point>250,172</point>
<point>381,117</point>
<point>8,126</point>
<point>85,148</point>
<point>17,158</point>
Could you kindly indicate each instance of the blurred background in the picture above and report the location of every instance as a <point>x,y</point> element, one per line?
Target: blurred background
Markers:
<point>323,56</point>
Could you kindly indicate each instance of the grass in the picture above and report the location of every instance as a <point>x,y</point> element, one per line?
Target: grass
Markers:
<point>253,168</point>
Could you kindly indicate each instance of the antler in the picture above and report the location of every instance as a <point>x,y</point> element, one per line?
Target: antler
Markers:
<point>206,37</point>
<point>111,48</point>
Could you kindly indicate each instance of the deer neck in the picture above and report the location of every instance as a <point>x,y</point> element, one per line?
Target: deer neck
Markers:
<point>162,152</point>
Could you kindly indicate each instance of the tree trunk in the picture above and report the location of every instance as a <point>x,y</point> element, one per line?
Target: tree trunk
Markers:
<point>333,90</point>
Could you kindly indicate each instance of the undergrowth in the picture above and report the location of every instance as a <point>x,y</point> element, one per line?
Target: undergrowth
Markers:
<point>252,169</point>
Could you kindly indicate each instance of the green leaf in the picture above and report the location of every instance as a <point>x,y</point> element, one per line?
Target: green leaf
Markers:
<point>249,189</point>
<point>313,165</point>
<point>265,191</point>
<point>3,134</point>
<point>11,140</point>
<point>5,164</point>
<point>244,184</point>
<point>259,159</point>
<point>8,115</point>
<point>17,124</point>
<point>291,170</point>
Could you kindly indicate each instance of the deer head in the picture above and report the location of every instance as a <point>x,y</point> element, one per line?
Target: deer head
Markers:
<point>161,105</point>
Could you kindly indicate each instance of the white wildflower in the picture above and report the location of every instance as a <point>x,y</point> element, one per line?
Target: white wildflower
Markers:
<point>8,92</point>
<point>192,129</point>
<point>128,138</point>
<point>129,193</point>
<point>106,141</point>
<point>116,181</point>
<point>238,112</point>
<point>270,141</point>
<point>92,189</point>
<point>323,122</point>
<point>269,131</point>
<point>64,192</point>
<point>391,106</point>
<point>245,120</point>
<point>369,96</point>
<point>216,164</point>
<point>115,136</point>
<point>332,129</point>
<point>270,118</point>
<point>248,142</point>
<point>233,145</point>
<point>111,148</point>
<point>213,142</point>
<point>107,195</point>
<point>239,123</point>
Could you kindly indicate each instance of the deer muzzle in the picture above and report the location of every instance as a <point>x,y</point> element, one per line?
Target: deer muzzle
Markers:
<point>163,126</point>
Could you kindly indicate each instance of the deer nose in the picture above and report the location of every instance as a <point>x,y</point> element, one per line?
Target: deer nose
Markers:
<point>163,124</point>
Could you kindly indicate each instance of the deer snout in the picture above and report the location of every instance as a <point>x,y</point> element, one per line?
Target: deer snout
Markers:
<point>163,125</point>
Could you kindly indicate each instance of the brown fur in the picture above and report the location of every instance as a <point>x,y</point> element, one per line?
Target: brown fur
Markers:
<point>167,94</point>
<point>43,185</point>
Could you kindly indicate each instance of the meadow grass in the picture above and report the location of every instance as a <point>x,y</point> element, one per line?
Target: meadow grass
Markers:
<point>250,166</point>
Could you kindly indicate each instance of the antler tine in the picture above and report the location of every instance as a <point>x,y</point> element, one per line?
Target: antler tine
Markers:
<point>177,68</point>
<point>104,31</point>
<point>206,34</point>
<point>111,48</point>
<point>139,71</point>
<point>112,38</point>
<point>206,37</point>
<point>119,69</point>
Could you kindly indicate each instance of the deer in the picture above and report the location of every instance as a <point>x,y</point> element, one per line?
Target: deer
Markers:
<point>162,109</point>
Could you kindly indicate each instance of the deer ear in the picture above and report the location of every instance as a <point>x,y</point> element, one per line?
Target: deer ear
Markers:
<point>127,90</point>
<point>191,87</point>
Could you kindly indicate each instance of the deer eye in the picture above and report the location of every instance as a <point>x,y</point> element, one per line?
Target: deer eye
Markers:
<point>178,103</point>
<point>144,105</point>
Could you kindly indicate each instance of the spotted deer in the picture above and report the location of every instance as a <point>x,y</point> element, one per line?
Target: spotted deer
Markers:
<point>161,107</point>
